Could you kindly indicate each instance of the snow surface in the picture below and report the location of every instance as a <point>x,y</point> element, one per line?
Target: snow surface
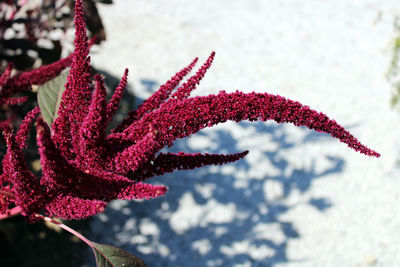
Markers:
<point>299,198</point>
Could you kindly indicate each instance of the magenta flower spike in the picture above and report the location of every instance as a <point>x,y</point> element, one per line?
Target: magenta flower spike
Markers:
<point>89,185</point>
<point>165,91</point>
<point>23,81</point>
<point>5,76</point>
<point>85,165</point>
<point>112,106</point>
<point>25,127</point>
<point>68,208</point>
<point>154,101</point>
<point>93,128</point>
<point>190,115</point>
<point>76,97</point>
<point>4,81</point>
<point>40,75</point>
<point>185,90</point>
<point>25,186</point>
<point>170,162</point>
<point>5,199</point>
<point>13,101</point>
<point>4,124</point>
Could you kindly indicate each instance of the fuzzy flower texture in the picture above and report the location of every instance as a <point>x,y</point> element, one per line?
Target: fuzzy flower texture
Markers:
<point>84,166</point>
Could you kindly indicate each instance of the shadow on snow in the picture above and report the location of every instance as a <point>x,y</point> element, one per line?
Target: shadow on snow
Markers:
<point>221,215</point>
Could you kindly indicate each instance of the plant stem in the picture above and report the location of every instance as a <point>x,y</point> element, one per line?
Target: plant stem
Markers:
<point>11,213</point>
<point>72,231</point>
<point>66,228</point>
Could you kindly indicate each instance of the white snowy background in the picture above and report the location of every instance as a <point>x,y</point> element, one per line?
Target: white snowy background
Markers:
<point>299,198</point>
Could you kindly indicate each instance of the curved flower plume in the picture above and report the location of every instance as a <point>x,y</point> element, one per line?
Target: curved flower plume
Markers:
<point>85,165</point>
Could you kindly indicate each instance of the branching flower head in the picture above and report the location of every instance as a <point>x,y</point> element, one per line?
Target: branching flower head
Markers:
<point>84,165</point>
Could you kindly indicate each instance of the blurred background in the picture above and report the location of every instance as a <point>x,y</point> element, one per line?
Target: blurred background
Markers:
<point>299,198</point>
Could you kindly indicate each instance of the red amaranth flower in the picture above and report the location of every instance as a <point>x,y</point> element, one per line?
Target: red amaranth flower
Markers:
<point>84,166</point>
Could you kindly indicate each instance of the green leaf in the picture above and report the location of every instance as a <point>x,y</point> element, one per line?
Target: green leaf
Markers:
<point>109,256</point>
<point>49,97</point>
